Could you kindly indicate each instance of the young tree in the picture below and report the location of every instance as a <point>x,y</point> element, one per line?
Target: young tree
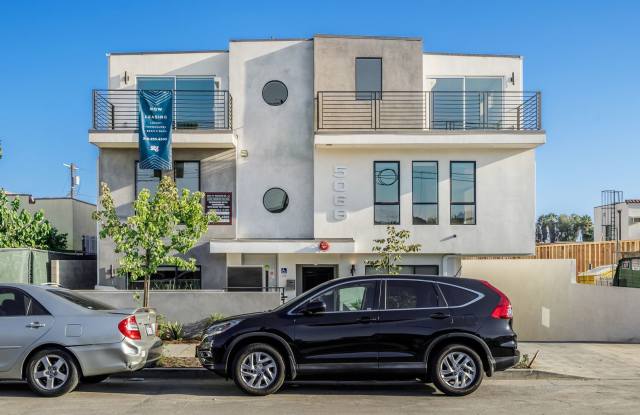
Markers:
<point>20,229</point>
<point>160,232</point>
<point>390,250</point>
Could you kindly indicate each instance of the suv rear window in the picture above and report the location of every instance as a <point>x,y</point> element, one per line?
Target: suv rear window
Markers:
<point>81,300</point>
<point>409,294</point>
<point>456,296</point>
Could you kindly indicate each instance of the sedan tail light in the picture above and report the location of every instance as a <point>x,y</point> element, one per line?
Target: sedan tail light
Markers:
<point>129,328</point>
<point>503,310</point>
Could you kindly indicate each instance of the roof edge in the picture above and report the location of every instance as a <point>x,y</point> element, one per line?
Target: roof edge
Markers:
<point>480,55</point>
<point>167,52</point>
<point>408,38</point>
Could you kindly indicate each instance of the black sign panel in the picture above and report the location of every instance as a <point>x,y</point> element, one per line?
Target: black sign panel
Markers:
<point>221,203</point>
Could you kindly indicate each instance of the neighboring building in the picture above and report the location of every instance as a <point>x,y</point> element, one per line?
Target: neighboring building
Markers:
<point>621,222</point>
<point>319,143</point>
<point>70,216</point>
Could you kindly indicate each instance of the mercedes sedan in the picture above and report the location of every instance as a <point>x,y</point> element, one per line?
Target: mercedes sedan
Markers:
<point>54,338</point>
<point>448,331</point>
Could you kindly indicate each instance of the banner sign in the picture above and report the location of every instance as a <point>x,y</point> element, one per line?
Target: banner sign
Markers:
<point>155,113</point>
<point>221,203</point>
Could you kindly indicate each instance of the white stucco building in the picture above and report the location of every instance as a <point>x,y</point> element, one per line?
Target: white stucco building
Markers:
<point>619,221</point>
<point>313,145</point>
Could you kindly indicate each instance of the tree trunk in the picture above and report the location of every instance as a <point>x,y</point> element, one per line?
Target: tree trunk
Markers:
<point>147,284</point>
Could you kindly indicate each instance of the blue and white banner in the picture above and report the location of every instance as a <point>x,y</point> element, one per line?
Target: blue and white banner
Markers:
<point>155,112</point>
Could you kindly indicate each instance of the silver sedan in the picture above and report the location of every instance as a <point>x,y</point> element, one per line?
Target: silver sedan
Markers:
<point>54,338</point>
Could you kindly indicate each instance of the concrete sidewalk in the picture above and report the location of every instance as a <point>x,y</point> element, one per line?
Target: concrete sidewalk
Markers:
<point>588,360</point>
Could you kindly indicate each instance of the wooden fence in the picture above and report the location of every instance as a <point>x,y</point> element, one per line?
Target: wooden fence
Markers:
<point>587,254</point>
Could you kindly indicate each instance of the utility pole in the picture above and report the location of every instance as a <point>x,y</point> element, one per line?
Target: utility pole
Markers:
<point>75,179</point>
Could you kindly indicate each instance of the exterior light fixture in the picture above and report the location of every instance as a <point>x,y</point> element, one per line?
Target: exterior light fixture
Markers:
<point>324,246</point>
<point>513,78</point>
<point>244,153</point>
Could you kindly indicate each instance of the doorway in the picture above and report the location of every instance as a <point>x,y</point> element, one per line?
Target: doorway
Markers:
<point>314,275</point>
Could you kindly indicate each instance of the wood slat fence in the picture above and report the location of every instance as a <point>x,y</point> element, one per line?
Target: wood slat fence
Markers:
<point>587,254</point>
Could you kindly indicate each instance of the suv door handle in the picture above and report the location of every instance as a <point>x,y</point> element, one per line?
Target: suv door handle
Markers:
<point>35,325</point>
<point>440,315</point>
<point>366,319</point>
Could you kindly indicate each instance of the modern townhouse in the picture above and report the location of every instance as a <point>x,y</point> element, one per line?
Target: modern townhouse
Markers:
<point>308,148</point>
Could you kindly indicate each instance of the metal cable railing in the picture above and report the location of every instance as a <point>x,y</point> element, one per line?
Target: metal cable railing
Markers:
<point>428,110</point>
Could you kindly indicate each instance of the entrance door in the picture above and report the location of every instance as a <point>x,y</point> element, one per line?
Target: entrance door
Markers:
<point>313,276</point>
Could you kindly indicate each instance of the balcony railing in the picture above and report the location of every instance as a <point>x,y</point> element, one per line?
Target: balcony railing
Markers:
<point>192,110</point>
<point>430,110</point>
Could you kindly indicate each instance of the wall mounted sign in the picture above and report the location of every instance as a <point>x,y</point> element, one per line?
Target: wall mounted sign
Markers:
<point>221,203</point>
<point>155,116</point>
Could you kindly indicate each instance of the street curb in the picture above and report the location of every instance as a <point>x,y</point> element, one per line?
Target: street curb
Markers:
<point>202,373</point>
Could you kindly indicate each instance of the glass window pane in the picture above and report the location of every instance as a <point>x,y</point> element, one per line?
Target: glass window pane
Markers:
<point>147,179</point>
<point>410,294</point>
<point>195,103</point>
<point>368,75</point>
<point>350,297</point>
<point>463,182</point>
<point>448,103</point>
<point>425,214</point>
<point>156,83</point>
<point>386,214</point>
<point>457,296</point>
<point>387,183</point>
<point>12,303</point>
<point>483,102</point>
<point>275,200</point>
<point>425,182</point>
<point>426,270</point>
<point>187,175</point>
<point>275,93</point>
<point>463,214</point>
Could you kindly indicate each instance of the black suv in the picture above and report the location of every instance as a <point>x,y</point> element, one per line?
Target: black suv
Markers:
<point>449,331</point>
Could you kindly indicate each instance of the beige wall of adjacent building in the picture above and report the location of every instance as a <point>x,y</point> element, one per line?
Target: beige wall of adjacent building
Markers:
<point>548,305</point>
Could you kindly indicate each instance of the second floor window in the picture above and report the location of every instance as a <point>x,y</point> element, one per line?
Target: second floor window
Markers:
<point>186,175</point>
<point>425,192</point>
<point>463,192</point>
<point>368,78</point>
<point>386,193</point>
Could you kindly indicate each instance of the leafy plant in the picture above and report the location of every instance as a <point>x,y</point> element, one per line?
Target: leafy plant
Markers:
<point>20,229</point>
<point>168,330</point>
<point>390,250</point>
<point>163,228</point>
<point>215,317</point>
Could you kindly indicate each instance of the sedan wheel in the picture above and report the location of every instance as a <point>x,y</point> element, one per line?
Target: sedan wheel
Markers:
<point>259,369</point>
<point>52,372</point>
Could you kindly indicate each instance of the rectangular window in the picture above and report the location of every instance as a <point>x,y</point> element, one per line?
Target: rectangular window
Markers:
<point>368,78</point>
<point>425,192</point>
<point>406,270</point>
<point>386,193</point>
<point>186,175</point>
<point>406,294</point>
<point>463,192</point>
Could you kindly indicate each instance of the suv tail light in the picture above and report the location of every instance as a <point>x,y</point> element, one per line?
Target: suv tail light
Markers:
<point>129,328</point>
<point>503,310</point>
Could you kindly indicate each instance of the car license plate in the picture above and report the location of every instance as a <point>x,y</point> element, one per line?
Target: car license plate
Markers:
<point>149,330</point>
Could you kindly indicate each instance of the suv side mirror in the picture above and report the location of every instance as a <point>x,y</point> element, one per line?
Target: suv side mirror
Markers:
<point>315,307</point>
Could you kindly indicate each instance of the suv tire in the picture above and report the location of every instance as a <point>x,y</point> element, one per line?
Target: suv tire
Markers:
<point>52,372</point>
<point>457,370</point>
<point>259,369</point>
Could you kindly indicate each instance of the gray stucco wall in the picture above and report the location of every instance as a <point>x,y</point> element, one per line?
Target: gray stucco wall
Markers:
<point>217,174</point>
<point>192,306</point>
<point>334,60</point>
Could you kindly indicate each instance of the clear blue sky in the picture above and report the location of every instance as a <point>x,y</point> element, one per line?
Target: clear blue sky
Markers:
<point>584,57</point>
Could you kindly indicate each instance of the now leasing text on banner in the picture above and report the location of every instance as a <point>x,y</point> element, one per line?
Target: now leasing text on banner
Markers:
<point>155,111</point>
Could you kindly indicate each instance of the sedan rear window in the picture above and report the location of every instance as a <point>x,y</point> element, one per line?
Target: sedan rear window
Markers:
<point>81,300</point>
<point>457,296</point>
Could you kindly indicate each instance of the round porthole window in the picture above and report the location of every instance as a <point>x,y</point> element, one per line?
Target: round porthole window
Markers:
<point>275,93</point>
<point>275,200</point>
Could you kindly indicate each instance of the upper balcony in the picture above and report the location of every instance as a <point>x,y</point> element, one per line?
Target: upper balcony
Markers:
<point>429,117</point>
<point>200,118</point>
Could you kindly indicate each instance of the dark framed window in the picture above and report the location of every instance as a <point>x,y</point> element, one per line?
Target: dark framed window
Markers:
<point>411,294</point>
<point>424,189</point>
<point>463,192</point>
<point>368,78</point>
<point>169,277</point>
<point>186,175</point>
<point>386,192</point>
<point>406,270</point>
<point>275,200</point>
<point>275,93</point>
<point>16,303</point>
<point>355,296</point>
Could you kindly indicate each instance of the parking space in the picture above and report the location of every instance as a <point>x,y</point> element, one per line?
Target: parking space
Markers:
<point>210,395</point>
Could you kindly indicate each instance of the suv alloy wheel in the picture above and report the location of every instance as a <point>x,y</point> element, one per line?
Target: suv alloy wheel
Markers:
<point>259,369</point>
<point>457,370</point>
